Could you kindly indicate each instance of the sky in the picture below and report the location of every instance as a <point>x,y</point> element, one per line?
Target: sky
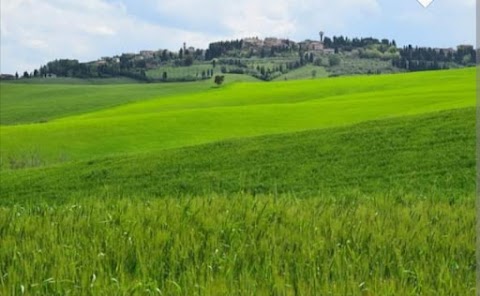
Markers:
<point>33,32</point>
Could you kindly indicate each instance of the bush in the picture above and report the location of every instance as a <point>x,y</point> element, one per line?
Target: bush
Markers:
<point>219,79</point>
<point>334,60</point>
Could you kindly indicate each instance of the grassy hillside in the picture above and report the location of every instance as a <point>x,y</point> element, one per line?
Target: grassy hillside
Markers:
<point>345,186</point>
<point>21,103</point>
<point>237,110</point>
<point>74,81</point>
<point>387,208</point>
<point>53,98</point>
<point>430,155</point>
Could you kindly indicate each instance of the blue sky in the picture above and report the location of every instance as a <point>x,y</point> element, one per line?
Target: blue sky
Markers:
<point>34,32</point>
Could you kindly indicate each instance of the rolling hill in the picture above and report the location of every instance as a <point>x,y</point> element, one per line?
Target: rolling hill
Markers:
<point>235,111</point>
<point>341,186</point>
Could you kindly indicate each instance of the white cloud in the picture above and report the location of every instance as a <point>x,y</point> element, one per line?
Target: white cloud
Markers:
<point>270,17</point>
<point>99,30</point>
<point>34,32</point>
<point>35,43</point>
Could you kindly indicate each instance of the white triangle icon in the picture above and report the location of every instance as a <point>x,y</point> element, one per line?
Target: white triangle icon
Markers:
<point>425,3</point>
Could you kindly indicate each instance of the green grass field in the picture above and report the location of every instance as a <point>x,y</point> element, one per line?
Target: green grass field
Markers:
<point>423,155</point>
<point>75,81</point>
<point>41,102</point>
<point>342,186</point>
<point>239,245</point>
<point>234,111</point>
<point>36,103</point>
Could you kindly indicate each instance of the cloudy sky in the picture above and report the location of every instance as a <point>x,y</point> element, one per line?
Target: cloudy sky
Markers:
<point>34,32</point>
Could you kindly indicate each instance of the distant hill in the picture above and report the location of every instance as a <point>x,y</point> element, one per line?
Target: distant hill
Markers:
<point>266,59</point>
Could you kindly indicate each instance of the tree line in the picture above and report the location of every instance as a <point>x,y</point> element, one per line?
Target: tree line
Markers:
<point>232,52</point>
<point>420,58</point>
<point>341,43</point>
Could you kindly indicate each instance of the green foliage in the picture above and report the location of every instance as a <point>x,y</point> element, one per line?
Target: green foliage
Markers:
<point>371,54</point>
<point>304,72</point>
<point>355,66</point>
<point>219,79</point>
<point>421,58</point>
<point>188,61</point>
<point>334,60</point>
<point>467,59</point>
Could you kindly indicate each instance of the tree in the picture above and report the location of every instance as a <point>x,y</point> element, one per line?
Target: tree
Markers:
<point>164,55</point>
<point>262,70</point>
<point>16,75</point>
<point>262,53</point>
<point>180,54</point>
<point>188,61</point>
<point>164,76</point>
<point>327,42</point>
<point>214,63</point>
<point>25,74</point>
<point>314,73</point>
<point>467,59</point>
<point>219,79</point>
<point>334,60</point>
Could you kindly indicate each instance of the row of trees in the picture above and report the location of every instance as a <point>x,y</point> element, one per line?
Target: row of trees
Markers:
<point>218,49</point>
<point>463,55</point>
<point>270,72</point>
<point>129,65</point>
<point>73,68</point>
<point>347,44</point>
<point>419,59</point>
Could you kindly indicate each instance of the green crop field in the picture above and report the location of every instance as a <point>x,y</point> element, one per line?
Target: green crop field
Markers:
<point>22,103</point>
<point>358,185</point>
<point>234,111</point>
